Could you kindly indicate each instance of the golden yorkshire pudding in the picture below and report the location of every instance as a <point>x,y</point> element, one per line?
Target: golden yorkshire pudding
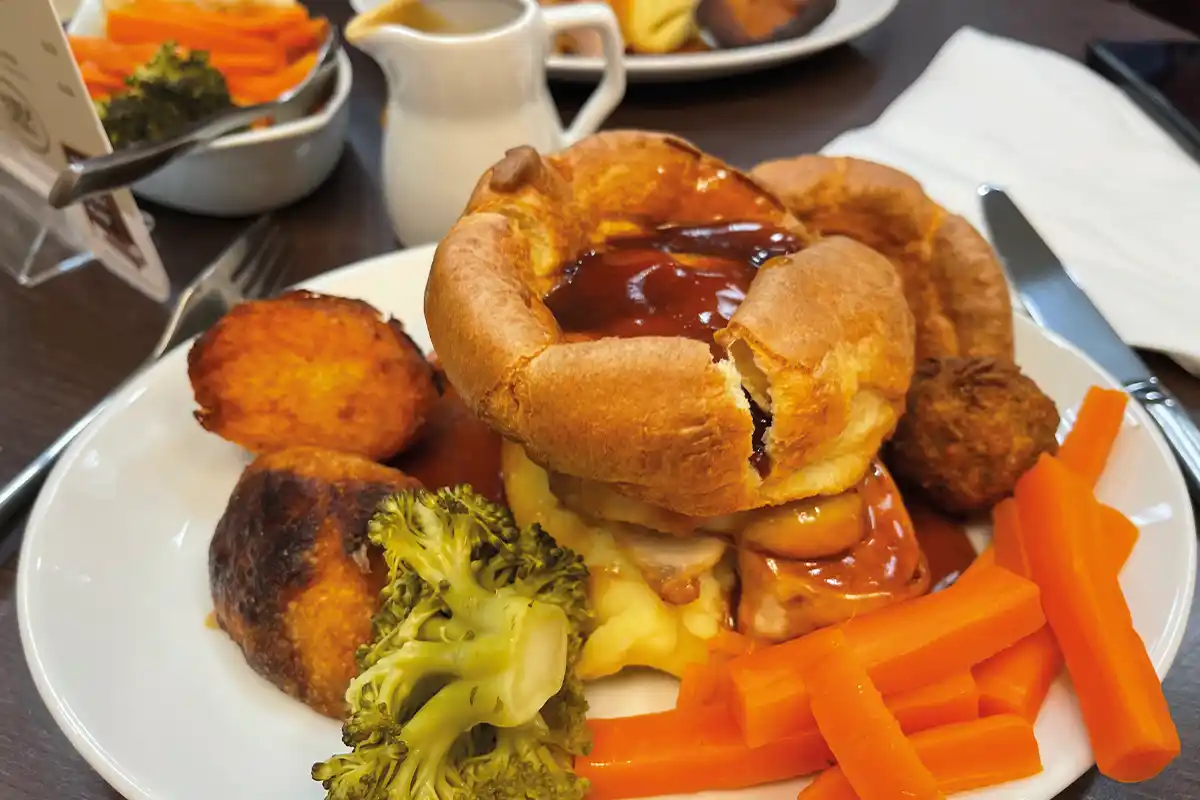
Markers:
<point>955,285</point>
<point>567,306</point>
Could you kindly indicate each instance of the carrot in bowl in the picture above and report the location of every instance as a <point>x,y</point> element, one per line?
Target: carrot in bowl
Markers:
<point>902,647</point>
<point>961,757</point>
<point>1126,713</point>
<point>863,735</point>
<point>1090,441</point>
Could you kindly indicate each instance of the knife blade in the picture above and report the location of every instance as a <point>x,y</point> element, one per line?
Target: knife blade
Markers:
<point>1056,302</point>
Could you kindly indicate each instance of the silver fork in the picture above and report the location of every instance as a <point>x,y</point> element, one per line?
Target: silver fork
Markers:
<point>252,267</point>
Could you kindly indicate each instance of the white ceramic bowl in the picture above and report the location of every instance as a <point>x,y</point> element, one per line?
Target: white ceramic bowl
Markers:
<point>252,172</point>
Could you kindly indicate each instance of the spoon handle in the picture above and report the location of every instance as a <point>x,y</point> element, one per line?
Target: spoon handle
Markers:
<point>119,169</point>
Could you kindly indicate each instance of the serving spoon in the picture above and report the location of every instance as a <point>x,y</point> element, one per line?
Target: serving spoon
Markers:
<point>119,169</point>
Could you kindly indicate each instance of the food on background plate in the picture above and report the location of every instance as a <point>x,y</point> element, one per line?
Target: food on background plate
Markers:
<point>310,369</point>
<point>294,582</point>
<point>161,65</point>
<point>972,427</point>
<point>676,355</point>
<point>737,23</point>
<point>468,688</point>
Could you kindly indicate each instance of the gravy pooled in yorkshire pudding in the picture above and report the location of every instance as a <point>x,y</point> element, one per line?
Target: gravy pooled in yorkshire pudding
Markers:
<point>955,285</point>
<point>821,342</point>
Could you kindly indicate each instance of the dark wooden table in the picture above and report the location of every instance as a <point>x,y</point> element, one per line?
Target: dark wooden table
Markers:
<point>62,346</point>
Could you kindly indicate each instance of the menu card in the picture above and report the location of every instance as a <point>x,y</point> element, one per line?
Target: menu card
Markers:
<point>44,105</point>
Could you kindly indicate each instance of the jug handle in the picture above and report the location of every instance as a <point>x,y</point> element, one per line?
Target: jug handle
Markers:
<point>599,17</point>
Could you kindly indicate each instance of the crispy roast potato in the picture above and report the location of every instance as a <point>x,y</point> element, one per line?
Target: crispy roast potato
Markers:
<point>309,369</point>
<point>294,580</point>
<point>972,427</point>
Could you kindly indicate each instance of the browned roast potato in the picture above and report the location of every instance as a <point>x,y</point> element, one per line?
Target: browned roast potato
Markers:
<point>310,369</point>
<point>294,580</point>
<point>971,428</point>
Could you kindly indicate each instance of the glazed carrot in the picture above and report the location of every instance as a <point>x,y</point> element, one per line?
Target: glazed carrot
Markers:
<point>128,25</point>
<point>689,751</point>
<point>969,755</point>
<point>704,684</point>
<point>245,63</point>
<point>1126,713</point>
<point>98,79</point>
<point>261,88</point>
<point>1016,680</point>
<point>1091,439</point>
<point>902,646</point>
<point>256,21</point>
<point>1120,534</point>
<point>871,750</point>
<point>731,643</point>
<point>302,36</point>
<point>1006,537</point>
<point>120,59</point>
<point>952,699</point>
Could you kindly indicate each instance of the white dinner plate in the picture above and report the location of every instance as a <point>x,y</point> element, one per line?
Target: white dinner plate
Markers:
<point>112,591</point>
<point>851,18</point>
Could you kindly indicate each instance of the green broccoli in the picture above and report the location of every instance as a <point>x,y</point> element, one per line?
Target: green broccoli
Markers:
<point>468,688</point>
<point>165,95</point>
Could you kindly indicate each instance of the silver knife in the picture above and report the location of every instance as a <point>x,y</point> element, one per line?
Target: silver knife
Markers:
<point>1056,302</point>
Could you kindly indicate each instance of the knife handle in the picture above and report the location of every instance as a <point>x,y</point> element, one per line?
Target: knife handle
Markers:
<point>1176,425</point>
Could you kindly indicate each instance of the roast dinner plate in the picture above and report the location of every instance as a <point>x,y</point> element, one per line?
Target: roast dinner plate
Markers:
<point>113,597</point>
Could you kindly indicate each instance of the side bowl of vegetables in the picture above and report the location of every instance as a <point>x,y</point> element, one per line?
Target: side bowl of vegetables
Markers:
<point>248,172</point>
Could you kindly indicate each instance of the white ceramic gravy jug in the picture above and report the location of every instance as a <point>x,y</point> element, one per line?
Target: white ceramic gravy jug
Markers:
<point>458,98</point>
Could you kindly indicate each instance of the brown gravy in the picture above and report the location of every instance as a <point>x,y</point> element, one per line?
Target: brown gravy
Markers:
<point>676,281</point>
<point>944,543</point>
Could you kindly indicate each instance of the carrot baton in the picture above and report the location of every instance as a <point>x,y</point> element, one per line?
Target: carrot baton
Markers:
<point>1126,713</point>
<point>1017,680</point>
<point>953,699</point>
<point>985,559</point>
<point>969,755</point>
<point>871,750</point>
<point>902,646</point>
<point>1006,537</point>
<point>1119,534</point>
<point>1090,440</point>
<point>689,750</point>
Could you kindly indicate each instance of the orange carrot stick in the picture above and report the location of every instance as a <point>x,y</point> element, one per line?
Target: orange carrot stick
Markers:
<point>97,78</point>
<point>689,751</point>
<point>871,750</point>
<point>969,755</point>
<point>902,646</point>
<point>659,748</point>
<point>704,684</point>
<point>255,21</point>
<point>120,59</point>
<point>303,36</point>
<point>1006,537</point>
<point>261,88</point>
<point>1087,446</point>
<point>129,26</point>
<point>1119,534</point>
<point>1016,680</point>
<point>953,699</point>
<point>245,63</point>
<point>1126,713</point>
<point>731,643</point>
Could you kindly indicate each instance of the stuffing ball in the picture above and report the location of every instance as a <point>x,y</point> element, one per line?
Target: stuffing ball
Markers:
<point>310,369</point>
<point>972,427</point>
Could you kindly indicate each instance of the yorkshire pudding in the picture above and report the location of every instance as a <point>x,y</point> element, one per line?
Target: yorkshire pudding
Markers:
<point>820,350</point>
<point>955,285</point>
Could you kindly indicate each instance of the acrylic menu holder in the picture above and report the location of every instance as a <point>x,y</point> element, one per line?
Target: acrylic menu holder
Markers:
<point>37,242</point>
<point>47,122</point>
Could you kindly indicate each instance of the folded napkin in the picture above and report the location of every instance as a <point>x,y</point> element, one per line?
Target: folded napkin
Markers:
<point>1114,196</point>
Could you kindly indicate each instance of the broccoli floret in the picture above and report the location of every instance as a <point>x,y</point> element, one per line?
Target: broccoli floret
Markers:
<point>174,89</point>
<point>468,687</point>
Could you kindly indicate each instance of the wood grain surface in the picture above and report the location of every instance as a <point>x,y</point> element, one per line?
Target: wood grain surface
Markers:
<point>65,344</point>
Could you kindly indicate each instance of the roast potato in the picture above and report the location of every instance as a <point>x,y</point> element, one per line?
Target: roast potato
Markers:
<point>294,580</point>
<point>310,369</point>
<point>972,427</point>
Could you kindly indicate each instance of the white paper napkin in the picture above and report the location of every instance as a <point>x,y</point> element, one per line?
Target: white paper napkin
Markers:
<point>1114,196</point>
